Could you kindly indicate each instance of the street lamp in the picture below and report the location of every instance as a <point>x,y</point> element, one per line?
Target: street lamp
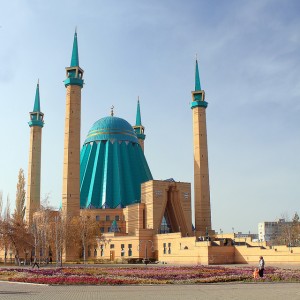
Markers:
<point>146,260</point>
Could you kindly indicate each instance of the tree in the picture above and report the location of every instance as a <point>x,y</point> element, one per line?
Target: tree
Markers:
<point>20,196</point>
<point>295,229</point>
<point>1,204</point>
<point>288,231</point>
<point>59,236</point>
<point>44,229</point>
<point>7,208</point>
<point>5,244</point>
<point>15,237</point>
<point>84,232</point>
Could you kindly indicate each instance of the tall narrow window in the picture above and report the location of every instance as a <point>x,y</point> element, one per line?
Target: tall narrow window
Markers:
<point>122,250</point>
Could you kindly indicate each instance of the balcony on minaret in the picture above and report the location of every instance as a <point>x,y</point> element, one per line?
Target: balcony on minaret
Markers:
<point>74,76</point>
<point>139,130</point>
<point>36,119</point>
<point>198,98</point>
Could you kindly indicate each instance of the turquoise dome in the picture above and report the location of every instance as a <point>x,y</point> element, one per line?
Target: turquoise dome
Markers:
<point>111,128</point>
<point>112,165</point>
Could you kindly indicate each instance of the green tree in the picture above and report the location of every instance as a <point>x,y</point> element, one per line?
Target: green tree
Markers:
<point>20,196</point>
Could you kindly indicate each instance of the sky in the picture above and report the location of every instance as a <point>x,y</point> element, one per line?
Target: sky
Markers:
<point>249,62</point>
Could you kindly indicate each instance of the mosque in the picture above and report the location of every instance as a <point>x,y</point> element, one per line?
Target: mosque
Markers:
<point>139,217</point>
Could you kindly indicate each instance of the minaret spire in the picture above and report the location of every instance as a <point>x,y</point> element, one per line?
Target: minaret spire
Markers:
<point>138,127</point>
<point>197,78</point>
<point>36,116</point>
<point>75,56</point>
<point>37,107</point>
<point>36,124</point>
<point>201,174</point>
<point>71,169</point>
<point>138,120</point>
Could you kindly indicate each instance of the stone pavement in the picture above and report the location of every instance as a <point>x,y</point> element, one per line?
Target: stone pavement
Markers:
<point>232,291</point>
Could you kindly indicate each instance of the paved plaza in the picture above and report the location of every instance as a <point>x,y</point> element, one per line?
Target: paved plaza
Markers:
<point>232,291</point>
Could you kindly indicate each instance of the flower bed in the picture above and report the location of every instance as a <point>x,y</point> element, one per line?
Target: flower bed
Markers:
<point>144,275</point>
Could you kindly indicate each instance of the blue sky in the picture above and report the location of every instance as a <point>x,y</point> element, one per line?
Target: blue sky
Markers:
<point>249,60</point>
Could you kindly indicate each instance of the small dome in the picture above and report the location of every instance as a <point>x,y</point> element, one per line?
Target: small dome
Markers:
<point>111,128</point>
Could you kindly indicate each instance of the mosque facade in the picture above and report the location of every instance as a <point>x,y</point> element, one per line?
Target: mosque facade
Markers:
<point>109,178</point>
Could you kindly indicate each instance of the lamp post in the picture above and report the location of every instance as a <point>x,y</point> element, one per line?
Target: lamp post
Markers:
<point>146,260</point>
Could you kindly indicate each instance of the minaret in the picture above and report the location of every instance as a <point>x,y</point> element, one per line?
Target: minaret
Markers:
<point>36,124</point>
<point>71,167</point>
<point>138,127</point>
<point>201,175</point>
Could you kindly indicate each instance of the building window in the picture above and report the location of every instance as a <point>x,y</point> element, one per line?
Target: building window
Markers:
<point>101,229</point>
<point>122,250</point>
<point>97,218</point>
<point>169,248</point>
<point>95,252</point>
<point>107,218</point>
<point>129,249</point>
<point>112,246</point>
<point>117,218</point>
<point>165,248</point>
<point>108,229</point>
<point>101,250</point>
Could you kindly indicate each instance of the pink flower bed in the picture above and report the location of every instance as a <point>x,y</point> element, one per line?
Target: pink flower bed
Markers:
<point>144,275</point>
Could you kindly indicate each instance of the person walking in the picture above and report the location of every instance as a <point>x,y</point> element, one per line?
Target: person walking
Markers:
<point>35,263</point>
<point>261,267</point>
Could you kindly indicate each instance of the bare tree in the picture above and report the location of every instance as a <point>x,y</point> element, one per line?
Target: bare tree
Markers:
<point>16,236</point>
<point>7,208</point>
<point>60,226</point>
<point>1,204</point>
<point>288,231</point>
<point>84,233</point>
<point>20,195</point>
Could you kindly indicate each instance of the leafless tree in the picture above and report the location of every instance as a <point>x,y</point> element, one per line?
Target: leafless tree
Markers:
<point>1,204</point>
<point>20,195</point>
<point>85,232</point>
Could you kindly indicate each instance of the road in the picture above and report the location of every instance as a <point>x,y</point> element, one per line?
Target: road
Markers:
<point>232,291</point>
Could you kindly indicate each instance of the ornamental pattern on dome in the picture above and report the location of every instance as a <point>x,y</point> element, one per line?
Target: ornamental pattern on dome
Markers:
<point>111,128</point>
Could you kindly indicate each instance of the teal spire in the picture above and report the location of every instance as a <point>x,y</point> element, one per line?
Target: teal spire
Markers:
<point>74,72</point>
<point>37,107</point>
<point>197,78</point>
<point>198,95</point>
<point>138,127</point>
<point>75,56</point>
<point>138,120</point>
<point>36,116</point>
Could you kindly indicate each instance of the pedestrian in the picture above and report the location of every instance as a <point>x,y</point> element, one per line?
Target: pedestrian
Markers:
<point>35,263</point>
<point>261,267</point>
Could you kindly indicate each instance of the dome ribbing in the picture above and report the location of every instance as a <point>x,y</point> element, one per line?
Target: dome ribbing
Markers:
<point>112,165</point>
